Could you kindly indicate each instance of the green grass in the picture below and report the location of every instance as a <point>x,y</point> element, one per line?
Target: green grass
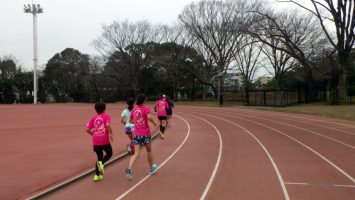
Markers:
<point>338,111</point>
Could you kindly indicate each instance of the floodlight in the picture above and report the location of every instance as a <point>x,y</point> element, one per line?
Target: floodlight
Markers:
<point>34,9</point>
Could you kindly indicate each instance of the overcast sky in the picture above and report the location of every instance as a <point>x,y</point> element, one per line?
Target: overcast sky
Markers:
<point>72,23</point>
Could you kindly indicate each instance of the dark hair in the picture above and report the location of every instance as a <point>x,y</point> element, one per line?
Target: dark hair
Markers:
<point>130,102</point>
<point>100,107</point>
<point>140,99</point>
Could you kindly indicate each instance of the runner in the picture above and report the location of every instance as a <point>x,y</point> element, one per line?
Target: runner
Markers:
<point>128,126</point>
<point>100,129</point>
<point>169,111</point>
<point>160,107</point>
<point>140,116</point>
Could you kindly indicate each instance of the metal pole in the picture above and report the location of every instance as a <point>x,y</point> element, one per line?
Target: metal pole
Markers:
<point>34,58</point>
<point>34,9</point>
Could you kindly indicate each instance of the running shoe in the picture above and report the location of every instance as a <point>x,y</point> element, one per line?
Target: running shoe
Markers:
<point>101,167</point>
<point>98,178</point>
<point>162,136</point>
<point>153,169</point>
<point>129,173</point>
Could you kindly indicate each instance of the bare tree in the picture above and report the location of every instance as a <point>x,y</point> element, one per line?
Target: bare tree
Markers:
<point>215,25</point>
<point>119,35</point>
<point>165,33</point>
<point>96,79</point>
<point>300,36</point>
<point>247,62</point>
<point>207,73</point>
<point>277,62</point>
<point>341,15</point>
<point>122,37</point>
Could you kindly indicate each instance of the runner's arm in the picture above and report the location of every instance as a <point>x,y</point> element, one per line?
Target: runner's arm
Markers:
<point>123,121</point>
<point>110,132</point>
<point>131,121</point>
<point>151,119</point>
<point>89,131</point>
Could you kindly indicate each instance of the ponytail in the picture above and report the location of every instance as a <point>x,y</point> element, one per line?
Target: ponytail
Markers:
<point>130,102</point>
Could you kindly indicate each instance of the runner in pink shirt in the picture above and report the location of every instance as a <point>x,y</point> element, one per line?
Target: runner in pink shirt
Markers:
<point>100,129</point>
<point>160,107</point>
<point>140,115</point>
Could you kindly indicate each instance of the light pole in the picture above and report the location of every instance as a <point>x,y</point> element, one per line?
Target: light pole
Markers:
<point>34,9</point>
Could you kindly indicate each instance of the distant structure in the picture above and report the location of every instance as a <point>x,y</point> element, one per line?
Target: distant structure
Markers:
<point>34,9</point>
<point>233,81</point>
<point>264,79</point>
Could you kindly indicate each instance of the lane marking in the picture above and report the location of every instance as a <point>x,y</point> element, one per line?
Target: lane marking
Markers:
<point>343,127</point>
<point>291,183</point>
<point>348,145</point>
<point>318,120</point>
<point>78,177</point>
<point>213,175</point>
<point>331,128</point>
<point>284,190</point>
<point>162,164</point>
<point>309,148</point>
<point>320,184</point>
<point>352,186</point>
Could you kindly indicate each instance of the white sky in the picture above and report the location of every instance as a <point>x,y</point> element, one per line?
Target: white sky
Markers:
<point>72,23</point>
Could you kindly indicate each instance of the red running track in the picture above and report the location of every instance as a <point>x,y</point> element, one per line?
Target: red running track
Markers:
<point>236,153</point>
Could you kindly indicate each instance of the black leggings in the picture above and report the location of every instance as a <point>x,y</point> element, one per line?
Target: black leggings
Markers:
<point>99,150</point>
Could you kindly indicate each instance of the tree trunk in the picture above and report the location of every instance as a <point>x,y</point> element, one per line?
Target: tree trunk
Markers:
<point>221,90</point>
<point>246,92</point>
<point>334,95</point>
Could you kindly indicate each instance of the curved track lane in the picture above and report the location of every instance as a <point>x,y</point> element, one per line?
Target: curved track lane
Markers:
<point>181,156</point>
<point>233,153</point>
<point>313,177</point>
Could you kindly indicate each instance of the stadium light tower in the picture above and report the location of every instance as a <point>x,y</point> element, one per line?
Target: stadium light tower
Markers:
<point>34,9</point>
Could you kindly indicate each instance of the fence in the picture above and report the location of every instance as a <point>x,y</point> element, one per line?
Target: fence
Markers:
<point>279,97</point>
<point>317,91</point>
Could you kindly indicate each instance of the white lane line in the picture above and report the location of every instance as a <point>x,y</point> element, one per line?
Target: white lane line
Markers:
<point>343,143</point>
<point>327,127</point>
<point>277,171</point>
<point>331,128</point>
<point>318,120</point>
<point>320,184</point>
<point>213,175</point>
<point>292,183</point>
<point>351,186</point>
<point>309,148</point>
<point>162,164</point>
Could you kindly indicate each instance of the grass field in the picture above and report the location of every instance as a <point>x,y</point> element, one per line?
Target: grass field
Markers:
<point>339,111</point>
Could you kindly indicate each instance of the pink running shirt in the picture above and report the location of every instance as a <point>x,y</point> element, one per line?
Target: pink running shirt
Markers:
<point>98,124</point>
<point>161,106</point>
<point>140,116</point>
